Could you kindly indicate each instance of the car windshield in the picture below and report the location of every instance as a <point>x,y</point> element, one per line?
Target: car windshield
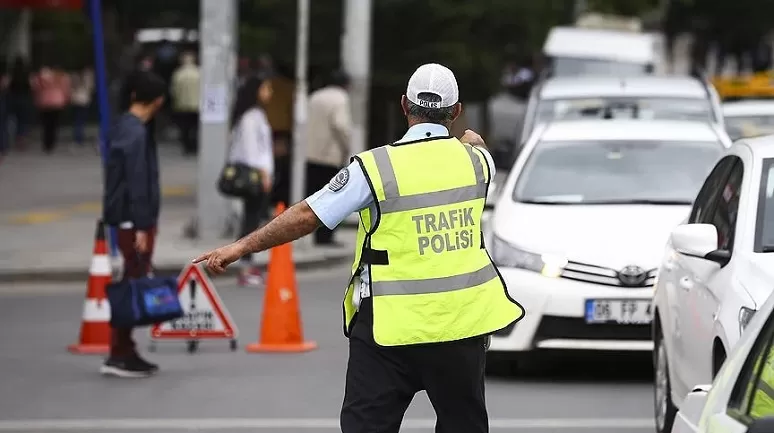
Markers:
<point>613,172</point>
<point>630,108</point>
<point>566,66</point>
<point>764,226</point>
<point>749,126</point>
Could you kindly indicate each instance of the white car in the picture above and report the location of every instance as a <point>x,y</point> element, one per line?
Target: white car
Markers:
<point>655,97</point>
<point>717,269</point>
<point>750,118</point>
<point>740,399</point>
<point>580,225</point>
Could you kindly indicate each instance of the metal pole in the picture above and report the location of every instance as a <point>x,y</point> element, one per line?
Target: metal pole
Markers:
<point>298,180</point>
<point>100,75</point>
<point>355,57</point>
<point>217,40</point>
<point>579,9</point>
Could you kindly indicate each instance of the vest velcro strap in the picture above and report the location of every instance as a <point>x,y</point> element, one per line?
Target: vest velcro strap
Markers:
<point>374,257</point>
<point>435,285</point>
<point>435,198</point>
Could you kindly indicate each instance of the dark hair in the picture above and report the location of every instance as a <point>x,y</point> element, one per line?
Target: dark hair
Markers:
<point>441,116</point>
<point>339,78</point>
<point>247,98</point>
<point>148,88</point>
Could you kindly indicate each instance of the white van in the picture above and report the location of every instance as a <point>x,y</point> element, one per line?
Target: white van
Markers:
<point>582,51</point>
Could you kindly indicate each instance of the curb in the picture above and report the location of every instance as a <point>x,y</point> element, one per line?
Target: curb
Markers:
<point>82,274</point>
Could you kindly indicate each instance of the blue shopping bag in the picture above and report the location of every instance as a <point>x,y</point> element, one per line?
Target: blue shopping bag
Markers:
<point>143,301</point>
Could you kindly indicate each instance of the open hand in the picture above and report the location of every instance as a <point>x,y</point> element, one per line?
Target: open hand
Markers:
<point>219,259</point>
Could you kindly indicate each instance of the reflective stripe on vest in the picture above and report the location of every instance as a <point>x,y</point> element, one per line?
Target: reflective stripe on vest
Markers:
<point>435,285</point>
<point>397,203</point>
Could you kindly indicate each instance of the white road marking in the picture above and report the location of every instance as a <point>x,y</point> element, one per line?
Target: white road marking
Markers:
<point>146,424</point>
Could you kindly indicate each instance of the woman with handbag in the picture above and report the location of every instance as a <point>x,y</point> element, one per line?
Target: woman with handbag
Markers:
<point>250,169</point>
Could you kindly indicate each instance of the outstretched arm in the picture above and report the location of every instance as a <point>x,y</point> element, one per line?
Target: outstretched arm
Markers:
<point>296,222</point>
<point>346,193</point>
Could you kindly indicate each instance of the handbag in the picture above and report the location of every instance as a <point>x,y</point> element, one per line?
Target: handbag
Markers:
<point>238,180</point>
<point>143,301</point>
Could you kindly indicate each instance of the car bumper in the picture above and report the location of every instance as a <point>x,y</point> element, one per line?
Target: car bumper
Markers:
<point>555,316</point>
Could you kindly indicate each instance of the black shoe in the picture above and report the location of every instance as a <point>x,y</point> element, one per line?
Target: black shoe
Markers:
<point>149,365</point>
<point>128,367</point>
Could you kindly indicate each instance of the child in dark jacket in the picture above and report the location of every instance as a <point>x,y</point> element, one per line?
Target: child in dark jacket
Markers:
<point>132,201</point>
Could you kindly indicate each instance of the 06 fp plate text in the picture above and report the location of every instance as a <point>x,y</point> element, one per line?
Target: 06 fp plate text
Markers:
<point>622,311</point>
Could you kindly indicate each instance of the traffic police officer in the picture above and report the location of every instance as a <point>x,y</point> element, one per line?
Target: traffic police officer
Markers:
<point>424,295</point>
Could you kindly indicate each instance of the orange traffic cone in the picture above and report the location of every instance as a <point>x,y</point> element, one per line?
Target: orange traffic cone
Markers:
<point>281,321</point>
<point>95,325</point>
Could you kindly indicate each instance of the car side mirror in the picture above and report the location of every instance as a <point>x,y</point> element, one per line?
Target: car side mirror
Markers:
<point>699,241</point>
<point>762,425</point>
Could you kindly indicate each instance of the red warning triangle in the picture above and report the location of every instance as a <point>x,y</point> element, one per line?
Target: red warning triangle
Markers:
<point>205,315</point>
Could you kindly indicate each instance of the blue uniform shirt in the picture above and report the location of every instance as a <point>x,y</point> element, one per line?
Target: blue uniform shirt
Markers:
<point>345,195</point>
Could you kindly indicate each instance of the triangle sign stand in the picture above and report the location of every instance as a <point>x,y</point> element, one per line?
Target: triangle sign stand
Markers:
<point>206,317</point>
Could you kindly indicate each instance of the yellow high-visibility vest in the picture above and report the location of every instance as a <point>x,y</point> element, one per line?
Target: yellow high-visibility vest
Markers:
<point>431,280</point>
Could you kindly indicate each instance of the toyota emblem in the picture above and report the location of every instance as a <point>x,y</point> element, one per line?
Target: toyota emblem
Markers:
<point>632,275</point>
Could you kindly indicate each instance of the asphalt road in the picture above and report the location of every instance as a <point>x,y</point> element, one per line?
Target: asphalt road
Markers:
<point>43,388</point>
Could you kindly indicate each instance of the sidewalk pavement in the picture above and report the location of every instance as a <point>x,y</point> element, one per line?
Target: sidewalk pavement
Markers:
<point>50,205</point>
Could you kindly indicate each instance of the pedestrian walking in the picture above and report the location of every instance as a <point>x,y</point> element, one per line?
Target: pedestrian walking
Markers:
<point>132,201</point>
<point>328,133</point>
<point>423,295</point>
<point>51,87</point>
<point>185,102</point>
<point>251,145</point>
<point>80,100</point>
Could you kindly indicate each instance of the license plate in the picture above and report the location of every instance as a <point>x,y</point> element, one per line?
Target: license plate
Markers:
<point>622,311</point>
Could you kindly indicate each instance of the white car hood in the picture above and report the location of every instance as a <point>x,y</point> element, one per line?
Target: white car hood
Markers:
<point>756,273</point>
<point>611,236</point>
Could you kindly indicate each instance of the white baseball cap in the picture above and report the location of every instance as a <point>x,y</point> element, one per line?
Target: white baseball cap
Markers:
<point>436,79</point>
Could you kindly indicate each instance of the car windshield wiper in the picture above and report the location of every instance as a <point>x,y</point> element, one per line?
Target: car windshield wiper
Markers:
<point>640,201</point>
<point>768,249</point>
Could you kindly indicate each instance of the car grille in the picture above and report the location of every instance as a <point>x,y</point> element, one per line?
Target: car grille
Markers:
<point>552,327</point>
<point>605,276</point>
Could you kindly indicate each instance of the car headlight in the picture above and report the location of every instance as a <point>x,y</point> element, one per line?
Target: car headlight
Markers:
<point>507,255</point>
<point>745,315</point>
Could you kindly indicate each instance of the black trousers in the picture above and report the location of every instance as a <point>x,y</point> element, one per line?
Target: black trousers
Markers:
<point>188,123</point>
<point>255,211</point>
<point>317,176</point>
<point>382,381</point>
<point>49,121</point>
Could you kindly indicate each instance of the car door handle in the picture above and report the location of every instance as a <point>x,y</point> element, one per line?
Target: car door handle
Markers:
<point>686,283</point>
